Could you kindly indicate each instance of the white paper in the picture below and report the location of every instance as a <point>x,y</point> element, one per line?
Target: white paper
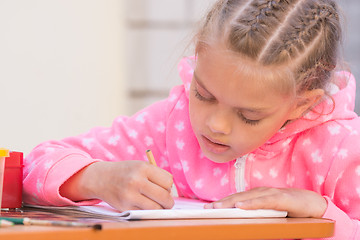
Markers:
<point>183,209</point>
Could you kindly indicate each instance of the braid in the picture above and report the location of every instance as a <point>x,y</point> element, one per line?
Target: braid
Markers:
<point>250,31</point>
<point>300,32</point>
<point>322,57</point>
<point>296,36</point>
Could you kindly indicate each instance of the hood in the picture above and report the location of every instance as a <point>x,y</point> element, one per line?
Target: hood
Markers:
<point>186,69</point>
<point>339,105</point>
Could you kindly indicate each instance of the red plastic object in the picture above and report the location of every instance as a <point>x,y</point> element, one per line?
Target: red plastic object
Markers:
<point>13,174</point>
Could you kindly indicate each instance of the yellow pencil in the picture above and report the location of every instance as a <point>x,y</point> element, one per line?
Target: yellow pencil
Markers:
<point>150,157</point>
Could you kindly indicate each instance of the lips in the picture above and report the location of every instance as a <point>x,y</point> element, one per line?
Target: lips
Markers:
<point>214,146</point>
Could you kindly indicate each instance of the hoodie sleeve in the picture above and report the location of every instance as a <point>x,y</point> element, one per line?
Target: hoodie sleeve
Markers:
<point>342,185</point>
<point>52,163</point>
<point>345,227</point>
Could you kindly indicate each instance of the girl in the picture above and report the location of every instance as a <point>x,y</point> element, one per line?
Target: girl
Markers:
<point>261,121</point>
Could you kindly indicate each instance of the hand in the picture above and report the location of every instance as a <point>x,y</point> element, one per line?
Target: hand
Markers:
<point>124,185</point>
<point>297,202</point>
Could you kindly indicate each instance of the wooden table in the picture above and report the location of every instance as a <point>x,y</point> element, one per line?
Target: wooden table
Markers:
<point>198,229</point>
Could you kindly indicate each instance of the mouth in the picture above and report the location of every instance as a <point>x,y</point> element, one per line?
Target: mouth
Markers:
<point>214,146</point>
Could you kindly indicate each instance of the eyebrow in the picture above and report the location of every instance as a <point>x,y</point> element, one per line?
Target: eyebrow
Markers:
<point>253,110</point>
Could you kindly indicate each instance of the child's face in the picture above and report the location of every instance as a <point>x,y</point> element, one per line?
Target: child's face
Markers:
<point>232,115</point>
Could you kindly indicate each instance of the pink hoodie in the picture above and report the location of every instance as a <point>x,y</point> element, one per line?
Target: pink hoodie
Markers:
<point>321,154</point>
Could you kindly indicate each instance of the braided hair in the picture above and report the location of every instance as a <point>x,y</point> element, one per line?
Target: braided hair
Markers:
<point>303,35</point>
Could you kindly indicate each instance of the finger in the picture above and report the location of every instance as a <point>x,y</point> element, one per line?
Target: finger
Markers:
<point>132,201</point>
<point>146,203</point>
<point>264,202</point>
<point>157,194</point>
<point>160,177</point>
<point>309,205</point>
<point>229,201</point>
<point>136,201</point>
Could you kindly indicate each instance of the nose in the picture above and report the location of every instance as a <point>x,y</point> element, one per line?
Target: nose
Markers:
<point>219,122</point>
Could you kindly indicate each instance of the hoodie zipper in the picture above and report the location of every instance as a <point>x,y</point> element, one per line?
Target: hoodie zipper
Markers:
<point>240,173</point>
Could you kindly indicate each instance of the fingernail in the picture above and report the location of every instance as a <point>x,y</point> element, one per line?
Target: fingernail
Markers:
<point>239,204</point>
<point>208,206</point>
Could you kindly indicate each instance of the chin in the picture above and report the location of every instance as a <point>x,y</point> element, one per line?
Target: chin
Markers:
<point>216,158</point>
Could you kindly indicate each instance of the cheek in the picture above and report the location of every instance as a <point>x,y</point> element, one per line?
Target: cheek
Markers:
<point>268,130</point>
<point>248,138</point>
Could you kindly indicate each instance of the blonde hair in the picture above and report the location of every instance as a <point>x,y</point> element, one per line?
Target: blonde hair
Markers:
<point>302,35</point>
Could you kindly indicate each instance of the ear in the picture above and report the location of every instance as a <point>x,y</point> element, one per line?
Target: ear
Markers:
<point>305,101</point>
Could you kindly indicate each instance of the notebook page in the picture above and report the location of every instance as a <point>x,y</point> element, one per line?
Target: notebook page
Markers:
<point>183,209</point>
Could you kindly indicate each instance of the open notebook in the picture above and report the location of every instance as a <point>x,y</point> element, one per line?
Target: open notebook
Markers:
<point>183,209</point>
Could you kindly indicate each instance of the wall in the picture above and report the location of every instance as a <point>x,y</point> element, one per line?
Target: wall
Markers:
<point>351,9</point>
<point>159,34</point>
<point>61,68</point>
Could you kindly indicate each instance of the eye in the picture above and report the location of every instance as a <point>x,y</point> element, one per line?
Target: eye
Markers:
<point>248,121</point>
<point>201,96</point>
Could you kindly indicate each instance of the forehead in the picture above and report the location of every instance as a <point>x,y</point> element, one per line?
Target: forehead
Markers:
<point>234,71</point>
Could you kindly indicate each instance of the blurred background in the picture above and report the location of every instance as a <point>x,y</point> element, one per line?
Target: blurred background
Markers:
<point>69,65</point>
